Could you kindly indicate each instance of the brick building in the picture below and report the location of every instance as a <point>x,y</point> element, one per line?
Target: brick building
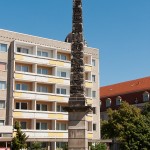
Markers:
<point>135,92</point>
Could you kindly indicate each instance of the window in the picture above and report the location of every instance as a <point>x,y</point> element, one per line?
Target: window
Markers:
<point>22,68</point>
<point>2,85</point>
<point>43,89</point>
<point>94,94</point>
<point>21,105</point>
<point>118,100</point>
<point>93,78</point>
<point>1,122</point>
<point>61,126</point>
<point>60,108</point>
<point>146,96</point>
<point>2,104</point>
<point>42,71</point>
<point>94,110</point>
<point>61,91</point>
<point>23,87</point>
<point>41,107</point>
<point>62,74</point>
<point>22,50</point>
<point>2,66</point>
<point>61,57</point>
<point>94,127</point>
<point>93,62</point>
<point>41,126</point>
<point>108,102</point>
<point>3,47</point>
<point>23,125</point>
<point>43,54</point>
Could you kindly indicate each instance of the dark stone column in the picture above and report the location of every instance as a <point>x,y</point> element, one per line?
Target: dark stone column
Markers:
<point>77,126</point>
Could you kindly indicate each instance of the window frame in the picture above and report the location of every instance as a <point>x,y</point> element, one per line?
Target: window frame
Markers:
<point>93,62</point>
<point>93,94</point>
<point>108,102</point>
<point>41,107</point>
<point>146,96</point>
<point>93,78</point>
<point>20,104</point>
<point>2,51</point>
<point>40,125</point>
<point>61,91</point>
<point>40,89</point>
<point>2,85</point>
<point>3,104</point>
<point>21,86</point>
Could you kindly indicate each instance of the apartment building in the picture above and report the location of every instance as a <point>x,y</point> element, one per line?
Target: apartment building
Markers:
<point>34,87</point>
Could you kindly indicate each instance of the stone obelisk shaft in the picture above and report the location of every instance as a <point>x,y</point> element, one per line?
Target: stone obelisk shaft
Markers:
<point>77,126</point>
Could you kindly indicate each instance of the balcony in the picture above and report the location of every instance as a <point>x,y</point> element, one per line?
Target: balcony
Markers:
<point>47,61</point>
<point>41,96</point>
<point>40,114</point>
<point>46,134</point>
<point>41,78</point>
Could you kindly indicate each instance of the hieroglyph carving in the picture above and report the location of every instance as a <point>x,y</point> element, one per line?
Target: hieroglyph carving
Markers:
<point>77,53</point>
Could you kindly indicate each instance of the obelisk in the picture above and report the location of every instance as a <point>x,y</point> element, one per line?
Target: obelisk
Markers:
<point>77,124</point>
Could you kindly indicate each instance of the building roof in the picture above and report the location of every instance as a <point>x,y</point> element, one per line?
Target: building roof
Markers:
<point>125,87</point>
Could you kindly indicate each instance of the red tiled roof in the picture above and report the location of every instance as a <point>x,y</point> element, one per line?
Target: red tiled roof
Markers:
<point>125,87</point>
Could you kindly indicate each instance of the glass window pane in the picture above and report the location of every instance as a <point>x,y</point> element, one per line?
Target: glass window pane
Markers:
<point>24,106</point>
<point>63,126</point>
<point>17,105</point>
<point>63,57</point>
<point>25,68</point>
<point>44,71</point>
<point>58,91</point>
<point>39,53</point>
<point>93,94</point>
<point>93,62</point>
<point>3,47</point>
<point>37,106</point>
<point>18,68</point>
<point>63,74</point>
<point>17,86</point>
<point>2,85</point>
<point>1,122</point>
<point>44,107</point>
<point>39,70</point>
<point>45,54</point>
<point>24,50</point>
<point>19,49</point>
<point>63,91</point>
<point>58,56</point>
<point>38,126</point>
<point>2,104</point>
<point>23,125</point>
<point>24,87</point>
<point>43,126</point>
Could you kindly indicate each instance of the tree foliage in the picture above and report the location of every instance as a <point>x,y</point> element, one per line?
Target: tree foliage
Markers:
<point>99,146</point>
<point>19,141</point>
<point>129,126</point>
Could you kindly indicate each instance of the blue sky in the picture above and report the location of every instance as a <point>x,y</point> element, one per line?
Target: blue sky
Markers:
<point>119,28</point>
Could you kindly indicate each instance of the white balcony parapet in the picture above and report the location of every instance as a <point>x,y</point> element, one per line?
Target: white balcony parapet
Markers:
<point>46,133</point>
<point>6,129</point>
<point>47,115</point>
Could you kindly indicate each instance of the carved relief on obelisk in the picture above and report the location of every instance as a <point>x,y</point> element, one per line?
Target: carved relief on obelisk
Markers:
<point>77,123</point>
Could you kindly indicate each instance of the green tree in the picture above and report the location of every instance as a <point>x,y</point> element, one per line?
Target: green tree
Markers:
<point>128,126</point>
<point>99,146</point>
<point>19,140</point>
<point>36,146</point>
